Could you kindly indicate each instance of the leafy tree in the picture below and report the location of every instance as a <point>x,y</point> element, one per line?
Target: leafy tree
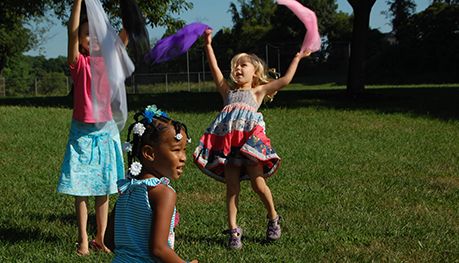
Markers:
<point>340,29</point>
<point>19,76</point>
<point>450,2</point>
<point>257,23</point>
<point>58,64</point>
<point>400,11</point>
<point>53,83</point>
<point>157,13</point>
<point>432,39</point>
<point>15,38</point>
<point>427,51</point>
<point>251,22</point>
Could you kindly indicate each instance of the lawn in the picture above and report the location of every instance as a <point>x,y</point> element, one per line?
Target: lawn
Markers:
<point>367,178</point>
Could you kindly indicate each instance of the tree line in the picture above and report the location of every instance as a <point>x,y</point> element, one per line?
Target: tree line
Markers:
<point>422,47</point>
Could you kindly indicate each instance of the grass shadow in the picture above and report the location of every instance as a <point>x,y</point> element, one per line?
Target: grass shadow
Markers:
<point>423,101</point>
<point>441,103</point>
<point>14,234</point>
<point>66,219</point>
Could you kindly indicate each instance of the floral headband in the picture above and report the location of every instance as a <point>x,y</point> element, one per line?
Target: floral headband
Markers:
<point>150,113</point>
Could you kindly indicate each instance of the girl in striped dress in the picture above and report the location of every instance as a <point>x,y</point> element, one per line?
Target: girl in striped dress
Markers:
<point>235,146</point>
<point>141,226</point>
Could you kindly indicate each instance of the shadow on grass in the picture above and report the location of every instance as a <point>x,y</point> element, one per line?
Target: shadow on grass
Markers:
<point>15,234</point>
<point>433,102</point>
<point>67,219</point>
<point>221,240</point>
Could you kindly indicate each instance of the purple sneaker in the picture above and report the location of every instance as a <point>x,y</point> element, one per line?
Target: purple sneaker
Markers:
<point>235,235</point>
<point>274,230</point>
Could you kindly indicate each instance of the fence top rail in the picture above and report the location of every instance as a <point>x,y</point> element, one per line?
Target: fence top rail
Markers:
<point>173,73</point>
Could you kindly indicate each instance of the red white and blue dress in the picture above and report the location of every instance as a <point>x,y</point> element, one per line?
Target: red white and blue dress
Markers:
<point>237,137</point>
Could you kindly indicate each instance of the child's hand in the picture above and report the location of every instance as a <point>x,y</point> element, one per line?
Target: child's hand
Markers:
<point>208,36</point>
<point>303,54</point>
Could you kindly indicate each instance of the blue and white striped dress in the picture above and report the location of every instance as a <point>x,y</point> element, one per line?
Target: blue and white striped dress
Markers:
<point>133,218</point>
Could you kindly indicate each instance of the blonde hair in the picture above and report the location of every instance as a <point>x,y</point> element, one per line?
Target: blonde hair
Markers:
<point>262,75</point>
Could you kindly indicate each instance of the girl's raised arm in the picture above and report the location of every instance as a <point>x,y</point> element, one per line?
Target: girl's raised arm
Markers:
<point>73,42</point>
<point>219,80</point>
<point>283,81</point>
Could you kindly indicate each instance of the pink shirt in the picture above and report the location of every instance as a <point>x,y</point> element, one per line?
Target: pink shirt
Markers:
<point>82,97</point>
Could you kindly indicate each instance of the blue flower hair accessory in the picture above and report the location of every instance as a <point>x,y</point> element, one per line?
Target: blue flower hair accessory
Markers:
<point>152,111</point>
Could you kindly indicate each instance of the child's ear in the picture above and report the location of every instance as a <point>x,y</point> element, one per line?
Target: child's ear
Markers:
<point>148,153</point>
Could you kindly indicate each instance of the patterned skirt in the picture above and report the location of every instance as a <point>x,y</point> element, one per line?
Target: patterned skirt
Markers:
<point>236,137</point>
<point>93,160</point>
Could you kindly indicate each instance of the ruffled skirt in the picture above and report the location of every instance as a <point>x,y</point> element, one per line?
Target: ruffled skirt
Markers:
<point>236,137</point>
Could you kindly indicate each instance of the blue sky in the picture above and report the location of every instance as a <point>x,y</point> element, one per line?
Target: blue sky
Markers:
<point>215,14</point>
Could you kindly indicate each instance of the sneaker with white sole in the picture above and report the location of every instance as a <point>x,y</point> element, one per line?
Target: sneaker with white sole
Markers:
<point>273,231</point>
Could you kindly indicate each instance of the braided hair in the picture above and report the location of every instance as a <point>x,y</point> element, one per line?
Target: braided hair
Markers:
<point>147,129</point>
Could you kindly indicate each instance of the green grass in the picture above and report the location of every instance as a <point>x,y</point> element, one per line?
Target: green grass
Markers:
<point>372,178</point>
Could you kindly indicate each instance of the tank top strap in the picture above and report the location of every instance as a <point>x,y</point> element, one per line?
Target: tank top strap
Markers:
<point>242,96</point>
<point>124,184</point>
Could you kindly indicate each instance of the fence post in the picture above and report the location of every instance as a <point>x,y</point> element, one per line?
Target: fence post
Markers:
<point>67,85</point>
<point>203,67</point>
<point>167,87</point>
<point>199,81</point>
<point>267,55</point>
<point>133,83</point>
<point>36,87</point>
<point>188,70</point>
<point>278,60</point>
<point>3,86</point>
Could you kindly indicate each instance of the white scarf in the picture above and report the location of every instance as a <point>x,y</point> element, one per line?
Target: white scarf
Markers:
<point>108,59</point>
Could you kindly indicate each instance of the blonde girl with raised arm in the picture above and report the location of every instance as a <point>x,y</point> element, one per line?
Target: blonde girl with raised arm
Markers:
<point>235,146</point>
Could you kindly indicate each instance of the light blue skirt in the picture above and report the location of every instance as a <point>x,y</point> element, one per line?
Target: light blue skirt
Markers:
<point>93,160</point>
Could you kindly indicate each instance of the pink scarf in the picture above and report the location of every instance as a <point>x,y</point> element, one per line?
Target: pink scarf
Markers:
<point>311,40</point>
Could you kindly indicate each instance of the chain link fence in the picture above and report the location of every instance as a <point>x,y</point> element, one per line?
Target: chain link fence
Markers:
<point>144,83</point>
<point>197,76</point>
<point>51,84</point>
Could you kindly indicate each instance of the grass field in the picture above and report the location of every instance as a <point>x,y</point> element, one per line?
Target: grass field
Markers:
<point>370,178</point>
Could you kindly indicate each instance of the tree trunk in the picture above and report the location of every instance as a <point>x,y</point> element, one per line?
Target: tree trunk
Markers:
<point>356,71</point>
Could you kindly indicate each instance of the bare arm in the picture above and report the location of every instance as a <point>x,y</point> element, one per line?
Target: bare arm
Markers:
<point>219,80</point>
<point>163,201</point>
<point>124,36</point>
<point>283,81</point>
<point>74,23</point>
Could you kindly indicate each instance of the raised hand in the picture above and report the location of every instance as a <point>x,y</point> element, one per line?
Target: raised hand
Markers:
<point>208,36</point>
<point>303,54</point>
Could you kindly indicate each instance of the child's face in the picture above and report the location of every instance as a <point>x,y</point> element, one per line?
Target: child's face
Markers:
<point>84,36</point>
<point>244,72</point>
<point>170,154</point>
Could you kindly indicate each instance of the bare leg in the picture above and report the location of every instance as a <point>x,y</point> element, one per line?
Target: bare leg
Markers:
<point>258,183</point>
<point>102,205</point>
<point>81,208</point>
<point>233,188</point>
